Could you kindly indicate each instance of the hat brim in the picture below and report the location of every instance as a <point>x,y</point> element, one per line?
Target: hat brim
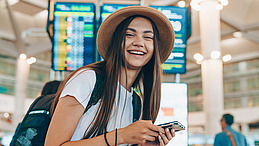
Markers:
<point>164,26</point>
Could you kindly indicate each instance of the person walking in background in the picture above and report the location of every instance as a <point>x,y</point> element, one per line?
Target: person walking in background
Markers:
<point>229,137</point>
<point>134,42</point>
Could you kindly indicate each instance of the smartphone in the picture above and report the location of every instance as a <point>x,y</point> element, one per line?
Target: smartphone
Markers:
<point>174,124</point>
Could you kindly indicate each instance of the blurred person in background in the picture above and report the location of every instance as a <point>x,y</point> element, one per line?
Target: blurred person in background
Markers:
<point>50,87</point>
<point>229,137</point>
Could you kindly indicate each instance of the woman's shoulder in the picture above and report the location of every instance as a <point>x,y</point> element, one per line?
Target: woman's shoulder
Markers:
<point>80,85</point>
<point>82,76</point>
<point>86,72</point>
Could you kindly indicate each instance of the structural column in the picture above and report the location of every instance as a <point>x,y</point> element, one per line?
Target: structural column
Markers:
<point>22,74</point>
<point>212,72</point>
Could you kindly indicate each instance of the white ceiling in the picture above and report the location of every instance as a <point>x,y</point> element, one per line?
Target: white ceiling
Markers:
<point>238,15</point>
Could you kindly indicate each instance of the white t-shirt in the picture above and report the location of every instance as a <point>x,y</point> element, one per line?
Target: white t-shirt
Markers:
<point>81,86</point>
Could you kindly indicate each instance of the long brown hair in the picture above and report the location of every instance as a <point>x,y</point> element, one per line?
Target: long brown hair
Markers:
<point>149,80</point>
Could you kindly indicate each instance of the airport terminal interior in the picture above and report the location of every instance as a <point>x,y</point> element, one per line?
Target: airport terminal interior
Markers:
<point>218,60</point>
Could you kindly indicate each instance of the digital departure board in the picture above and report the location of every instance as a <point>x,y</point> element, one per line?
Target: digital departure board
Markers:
<point>73,35</point>
<point>176,63</point>
<point>107,9</point>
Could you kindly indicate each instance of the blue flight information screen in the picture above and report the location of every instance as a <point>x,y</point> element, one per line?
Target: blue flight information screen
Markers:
<point>73,35</point>
<point>176,63</point>
<point>107,9</point>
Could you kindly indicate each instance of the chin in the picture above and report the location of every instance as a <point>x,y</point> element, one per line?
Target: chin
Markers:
<point>135,65</point>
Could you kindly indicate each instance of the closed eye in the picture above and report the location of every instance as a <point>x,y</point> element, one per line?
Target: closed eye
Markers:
<point>129,35</point>
<point>149,38</point>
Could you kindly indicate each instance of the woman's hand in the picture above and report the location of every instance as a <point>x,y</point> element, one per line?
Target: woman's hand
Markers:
<point>163,139</point>
<point>140,132</point>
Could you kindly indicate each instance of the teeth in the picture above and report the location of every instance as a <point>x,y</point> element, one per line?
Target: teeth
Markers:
<point>137,52</point>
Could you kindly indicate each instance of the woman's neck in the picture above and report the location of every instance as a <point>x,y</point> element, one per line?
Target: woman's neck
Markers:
<point>131,77</point>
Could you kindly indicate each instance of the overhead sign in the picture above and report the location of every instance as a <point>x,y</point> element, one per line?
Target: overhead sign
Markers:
<point>107,9</point>
<point>73,35</point>
<point>176,63</point>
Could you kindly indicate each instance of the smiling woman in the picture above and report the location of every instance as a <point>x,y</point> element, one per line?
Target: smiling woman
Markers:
<point>142,39</point>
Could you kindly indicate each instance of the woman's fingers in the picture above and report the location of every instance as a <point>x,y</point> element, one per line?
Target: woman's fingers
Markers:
<point>169,133</point>
<point>161,142</point>
<point>141,131</point>
<point>173,132</point>
<point>164,138</point>
<point>155,128</point>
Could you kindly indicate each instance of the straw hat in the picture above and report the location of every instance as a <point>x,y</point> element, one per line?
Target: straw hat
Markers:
<point>164,26</point>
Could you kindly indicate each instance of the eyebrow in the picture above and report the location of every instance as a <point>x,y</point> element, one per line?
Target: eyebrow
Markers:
<point>147,31</point>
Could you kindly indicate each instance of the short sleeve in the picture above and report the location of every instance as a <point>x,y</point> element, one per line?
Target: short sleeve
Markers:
<point>80,86</point>
<point>217,141</point>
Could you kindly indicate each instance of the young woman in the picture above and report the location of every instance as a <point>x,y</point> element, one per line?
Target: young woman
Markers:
<point>134,42</point>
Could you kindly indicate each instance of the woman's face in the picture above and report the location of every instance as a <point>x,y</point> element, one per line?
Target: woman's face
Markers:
<point>139,45</point>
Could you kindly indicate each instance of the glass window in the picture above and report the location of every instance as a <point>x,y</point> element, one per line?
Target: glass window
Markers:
<point>230,103</point>
<point>253,64</point>
<point>11,69</point>
<point>1,65</point>
<point>45,56</point>
<point>253,83</point>
<point>194,89</point>
<point>194,107</point>
<point>34,90</point>
<point>195,103</point>
<point>253,101</point>
<point>230,68</point>
<point>7,89</point>
<point>39,75</point>
<point>33,93</point>
<point>231,86</point>
<point>7,68</point>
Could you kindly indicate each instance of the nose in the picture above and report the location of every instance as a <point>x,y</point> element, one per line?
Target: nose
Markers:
<point>138,42</point>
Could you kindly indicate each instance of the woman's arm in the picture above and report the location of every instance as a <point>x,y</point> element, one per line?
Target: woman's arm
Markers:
<point>66,118</point>
<point>64,121</point>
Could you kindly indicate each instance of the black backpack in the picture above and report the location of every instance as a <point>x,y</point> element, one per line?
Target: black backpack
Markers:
<point>34,126</point>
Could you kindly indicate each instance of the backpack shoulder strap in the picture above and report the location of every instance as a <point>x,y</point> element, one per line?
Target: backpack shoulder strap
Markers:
<point>136,102</point>
<point>97,92</point>
<point>232,140</point>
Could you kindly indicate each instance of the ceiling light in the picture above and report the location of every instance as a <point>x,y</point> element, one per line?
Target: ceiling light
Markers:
<point>12,2</point>
<point>31,60</point>
<point>219,7</point>
<point>226,58</point>
<point>224,2</point>
<point>6,115</point>
<point>181,3</point>
<point>215,54</point>
<point>22,56</point>
<point>195,4</point>
<point>198,57</point>
<point>238,34</point>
